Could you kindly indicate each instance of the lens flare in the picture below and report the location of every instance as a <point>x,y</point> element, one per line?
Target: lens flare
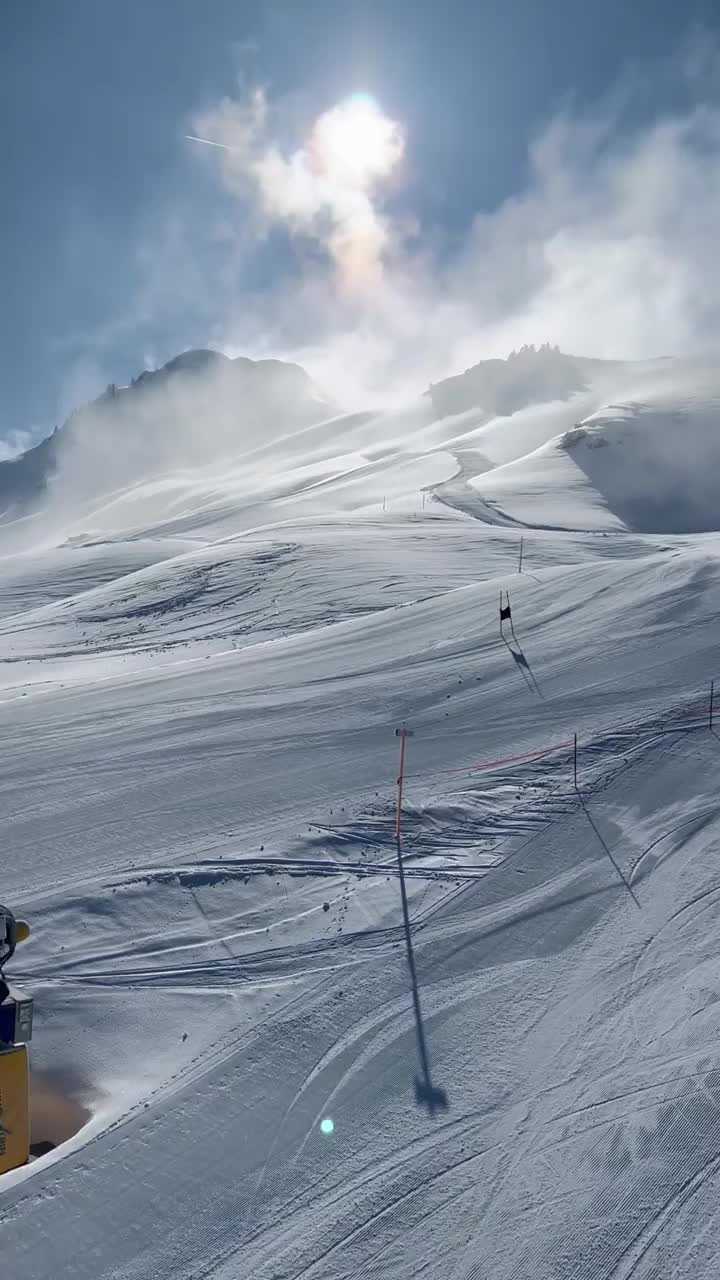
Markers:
<point>326,1126</point>
<point>355,143</point>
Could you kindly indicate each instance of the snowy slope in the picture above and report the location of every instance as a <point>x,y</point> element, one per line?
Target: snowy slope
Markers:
<point>200,678</point>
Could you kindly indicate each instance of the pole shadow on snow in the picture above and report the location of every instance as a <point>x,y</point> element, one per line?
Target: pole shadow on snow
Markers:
<point>522,662</point>
<point>426,1093</point>
<point>501,934</point>
<point>626,882</point>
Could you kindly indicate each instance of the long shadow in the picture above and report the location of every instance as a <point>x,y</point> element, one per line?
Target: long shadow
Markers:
<point>426,1093</point>
<point>522,662</point>
<point>626,882</point>
<point>522,918</point>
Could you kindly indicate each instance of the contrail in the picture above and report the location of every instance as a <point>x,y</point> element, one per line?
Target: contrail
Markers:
<point>191,137</point>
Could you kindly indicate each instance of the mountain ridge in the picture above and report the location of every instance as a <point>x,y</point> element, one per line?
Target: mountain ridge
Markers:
<point>529,375</point>
<point>198,383</point>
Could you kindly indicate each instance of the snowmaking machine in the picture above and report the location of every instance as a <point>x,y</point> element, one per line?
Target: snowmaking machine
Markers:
<point>16,1012</point>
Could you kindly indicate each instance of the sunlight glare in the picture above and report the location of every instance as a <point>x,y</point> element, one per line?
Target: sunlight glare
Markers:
<point>355,142</point>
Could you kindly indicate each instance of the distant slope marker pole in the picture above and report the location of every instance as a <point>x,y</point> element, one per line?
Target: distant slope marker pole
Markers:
<point>712,702</point>
<point>575,760</point>
<point>426,1093</point>
<point>521,555</point>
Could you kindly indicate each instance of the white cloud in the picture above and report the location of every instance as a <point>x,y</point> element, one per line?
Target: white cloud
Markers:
<point>326,188</point>
<point>13,444</point>
<point>609,250</point>
<point>612,246</point>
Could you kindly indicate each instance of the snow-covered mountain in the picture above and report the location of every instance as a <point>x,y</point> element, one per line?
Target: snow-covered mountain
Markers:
<point>531,375</point>
<point>217,607</point>
<point>199,405</point>
<point>206,437</point>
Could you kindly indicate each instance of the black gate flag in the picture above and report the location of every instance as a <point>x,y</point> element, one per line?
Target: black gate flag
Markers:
<point>505,614</point>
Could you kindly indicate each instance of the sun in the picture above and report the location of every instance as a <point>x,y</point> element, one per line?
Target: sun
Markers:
<point>355,143</point>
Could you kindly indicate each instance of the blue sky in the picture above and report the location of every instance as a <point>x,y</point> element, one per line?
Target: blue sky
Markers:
<point>99,183</point>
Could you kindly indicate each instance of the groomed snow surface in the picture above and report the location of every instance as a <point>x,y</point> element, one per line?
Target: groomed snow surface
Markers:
<point>201,675</point>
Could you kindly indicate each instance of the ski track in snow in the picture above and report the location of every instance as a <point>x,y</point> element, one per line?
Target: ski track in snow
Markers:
<point>201,703</point>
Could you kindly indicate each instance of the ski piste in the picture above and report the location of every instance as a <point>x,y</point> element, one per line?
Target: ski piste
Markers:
<point>203,671</point>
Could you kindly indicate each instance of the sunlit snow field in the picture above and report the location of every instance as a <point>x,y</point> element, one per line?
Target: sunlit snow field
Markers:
<point>201,675</point>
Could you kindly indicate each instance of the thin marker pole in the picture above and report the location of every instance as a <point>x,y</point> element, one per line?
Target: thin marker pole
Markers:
<point>512,624</point>
<point>712,701</point>
<point>575,760</point>
<point>521,556</point>
<point>402,735</point>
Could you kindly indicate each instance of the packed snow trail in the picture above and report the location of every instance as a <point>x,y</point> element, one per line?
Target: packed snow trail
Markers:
<point>199,691</point>
<point>572,1071</point>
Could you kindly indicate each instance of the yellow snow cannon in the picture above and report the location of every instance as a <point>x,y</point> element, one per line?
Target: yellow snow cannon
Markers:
<point>15,1032</point>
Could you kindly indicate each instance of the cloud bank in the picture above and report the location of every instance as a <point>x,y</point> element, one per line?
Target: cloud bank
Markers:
<point>299,241</point>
